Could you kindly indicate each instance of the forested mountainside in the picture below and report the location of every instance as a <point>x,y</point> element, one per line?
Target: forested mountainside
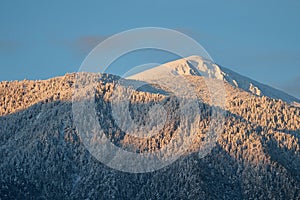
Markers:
<point>257,154</point>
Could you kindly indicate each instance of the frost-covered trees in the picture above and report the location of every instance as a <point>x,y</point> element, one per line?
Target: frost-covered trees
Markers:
<point>257,153</point>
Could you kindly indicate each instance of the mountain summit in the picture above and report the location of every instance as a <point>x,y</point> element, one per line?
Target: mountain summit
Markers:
<point>197,66</point>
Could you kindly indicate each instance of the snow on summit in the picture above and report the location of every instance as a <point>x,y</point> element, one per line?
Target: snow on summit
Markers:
<point>197,66</point>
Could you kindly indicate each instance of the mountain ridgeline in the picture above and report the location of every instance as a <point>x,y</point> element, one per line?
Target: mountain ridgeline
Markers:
<point>256,154</point>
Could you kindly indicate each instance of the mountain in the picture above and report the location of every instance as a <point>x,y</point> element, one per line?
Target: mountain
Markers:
<point>256,154</point>
<point>197,66</point>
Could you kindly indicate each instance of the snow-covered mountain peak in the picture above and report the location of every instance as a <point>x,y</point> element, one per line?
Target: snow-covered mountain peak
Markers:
<point>198,66</point>
<point>193,65</point>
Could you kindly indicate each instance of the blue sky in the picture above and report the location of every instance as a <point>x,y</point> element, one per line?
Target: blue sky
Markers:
<point>259,39</point>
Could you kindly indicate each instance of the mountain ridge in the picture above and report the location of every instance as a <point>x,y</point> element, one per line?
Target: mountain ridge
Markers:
<point>256,156</point>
